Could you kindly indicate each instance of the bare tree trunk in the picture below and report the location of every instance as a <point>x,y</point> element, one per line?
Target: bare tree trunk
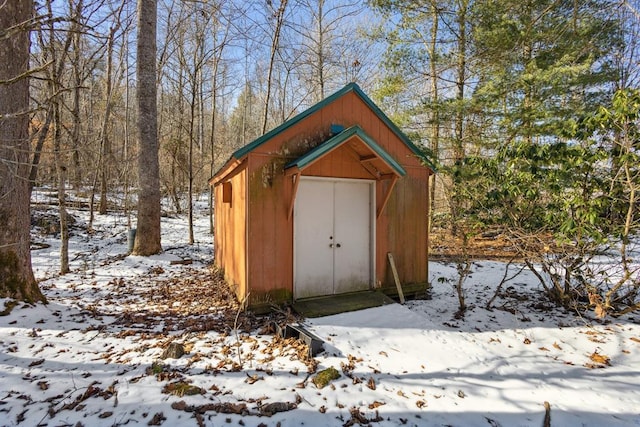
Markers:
<point>461,81</point>
<point>62,207</point>
<point>435,110</point>
<point>458,140</point>
<point>105,143</point>
<point>176,181</point>
<point>56,68</point>
<point>196,114</point>
<point>218,48</point>
<point>147,240</point>
<point>326,40</point>
<point>16,275</point>
<point>275,43</point>
<point>190,161</point>
<point>42,135</point>
<point>127,210</point>
<point>214,106</point>
<point>59,157</point>
<point>92,197</point>
<point>212,169</point>
<point>75,131</point>
<point>320,53</point>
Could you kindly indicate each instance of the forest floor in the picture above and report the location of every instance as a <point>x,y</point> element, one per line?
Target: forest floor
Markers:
<point>490,245</point>
<point>98,353</point>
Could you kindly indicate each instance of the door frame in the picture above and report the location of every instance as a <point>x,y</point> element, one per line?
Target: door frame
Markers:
<point>372,229</point>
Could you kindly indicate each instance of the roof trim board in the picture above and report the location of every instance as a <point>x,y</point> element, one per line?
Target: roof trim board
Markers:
<point>339,139</point>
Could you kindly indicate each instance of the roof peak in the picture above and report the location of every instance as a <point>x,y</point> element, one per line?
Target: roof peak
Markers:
<point>350,87</point>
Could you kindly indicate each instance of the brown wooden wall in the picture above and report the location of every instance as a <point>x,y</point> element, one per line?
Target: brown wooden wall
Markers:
<point>230,232</point>
<point>404,226</point>
<point>270,233</point>
<point>401,228</point>
<point>338,163</point>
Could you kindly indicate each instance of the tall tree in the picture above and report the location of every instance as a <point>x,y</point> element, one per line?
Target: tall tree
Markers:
<point>277,13</point>
<point>628,58</point>
<point>548,65</point>
<point>55,53</point>
<point>244,121</point>
<point>195,62</point>
<point>105,142</point>
<point>544,62</point>
<point>326,33</point>
<point>430,74</point>
<point>219,37</point>
<point>16,275</point>
<point>147,240</point>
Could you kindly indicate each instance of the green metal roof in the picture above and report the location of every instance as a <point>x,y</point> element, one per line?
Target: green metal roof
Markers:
<point>351,87</point>
<point>340,138</point>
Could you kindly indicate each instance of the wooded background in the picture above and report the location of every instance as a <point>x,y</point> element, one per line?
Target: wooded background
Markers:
<point>528,109</point>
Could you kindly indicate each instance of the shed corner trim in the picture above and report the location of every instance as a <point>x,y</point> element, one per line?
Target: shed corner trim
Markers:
<point>228,172</point>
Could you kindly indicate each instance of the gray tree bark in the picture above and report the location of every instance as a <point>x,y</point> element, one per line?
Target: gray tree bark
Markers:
<point>16,274</point>
<point>148,228</point>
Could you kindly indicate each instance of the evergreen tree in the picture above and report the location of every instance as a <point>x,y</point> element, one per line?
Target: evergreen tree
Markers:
<point>543,62</point>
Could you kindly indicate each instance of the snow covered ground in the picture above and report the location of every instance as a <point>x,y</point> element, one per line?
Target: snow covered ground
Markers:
<point>93,355</point>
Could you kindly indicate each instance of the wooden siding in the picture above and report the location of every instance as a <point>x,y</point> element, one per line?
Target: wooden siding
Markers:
<point>405,234</point>
<point>230,232</point>
<point>270,233</point>
<point>341,162</point>
<point>347,111</point>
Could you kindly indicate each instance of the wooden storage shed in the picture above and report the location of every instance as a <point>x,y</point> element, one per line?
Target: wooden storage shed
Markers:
<point>313,207</point>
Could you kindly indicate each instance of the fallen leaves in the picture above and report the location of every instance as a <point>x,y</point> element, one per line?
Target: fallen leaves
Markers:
<point>36,363</point>
<point>240,408</point>
<point>275,407</point>
<point>252,379</point>
<point>359,418</point>
<point>78,403</point>
<point>599,360</point>
<point>375,404</point>
<point>194,300</point>
<point>371,383</point>
<point>594,336</point>
<point>157,419</point>
<point>600,309</point>
<point>156,311</point>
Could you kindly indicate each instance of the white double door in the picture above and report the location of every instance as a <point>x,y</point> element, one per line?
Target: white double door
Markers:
<point>332,236</point>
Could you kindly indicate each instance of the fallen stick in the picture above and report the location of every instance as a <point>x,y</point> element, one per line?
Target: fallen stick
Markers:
<point>547,415</point>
